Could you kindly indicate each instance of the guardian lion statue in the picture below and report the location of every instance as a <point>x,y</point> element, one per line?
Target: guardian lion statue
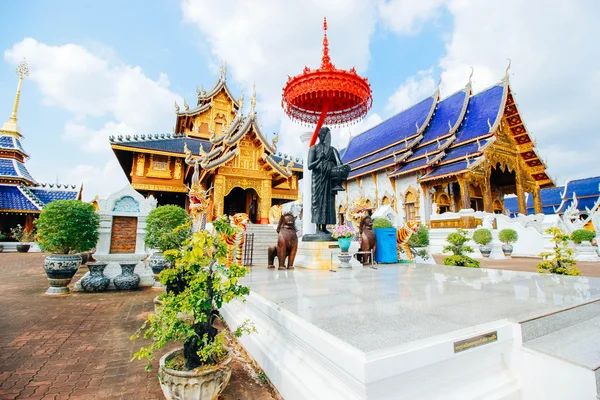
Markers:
<point>367,240</point>
<point>287,242</point>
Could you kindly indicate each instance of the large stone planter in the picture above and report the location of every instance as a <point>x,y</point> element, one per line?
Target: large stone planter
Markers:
<point>95,281</point>
<point>127,280</point>
<point>23,247</point>
<point>157,263</point>
<point>190,385</point>
<point>60,269</point>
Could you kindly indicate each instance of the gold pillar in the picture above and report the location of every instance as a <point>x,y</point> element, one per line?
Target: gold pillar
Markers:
<point>537,200</point>
<point>265,201</point>
<point>465,196</point>
<point>219,195</point>
<point>487,196</point>
<point>521,194</point>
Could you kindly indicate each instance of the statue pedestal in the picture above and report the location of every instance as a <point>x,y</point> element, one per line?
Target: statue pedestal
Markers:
<point>322,255</point>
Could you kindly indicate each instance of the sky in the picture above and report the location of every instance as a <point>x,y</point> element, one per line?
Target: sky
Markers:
<point>117,67</point>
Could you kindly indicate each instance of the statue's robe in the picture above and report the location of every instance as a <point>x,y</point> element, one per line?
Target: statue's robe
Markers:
<point>323,199</point>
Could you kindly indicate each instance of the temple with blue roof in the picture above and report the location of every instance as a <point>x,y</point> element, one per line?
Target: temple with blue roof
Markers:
<point>21,197</point>
<point>237,159</point>
<point>465,151</point>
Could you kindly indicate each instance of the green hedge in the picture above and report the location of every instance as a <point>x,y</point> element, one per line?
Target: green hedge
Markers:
<point>160,224</point>
<point>582,235</point>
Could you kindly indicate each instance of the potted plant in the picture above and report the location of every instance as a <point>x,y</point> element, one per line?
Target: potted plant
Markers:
<point>483,237</point>
<point>2,239</point>
<point>159,234</point>
<point>560,260</point>
<point>344,235</point>
<point>385,236</point>
<point>507,237</point>
<point>65,228</point>
<point>23,237</point>
<point>457,247</point>
<point>201,284</point>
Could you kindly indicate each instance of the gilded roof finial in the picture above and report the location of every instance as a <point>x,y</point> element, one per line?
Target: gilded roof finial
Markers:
<point>176,107</point>
<point>23,72</point>
<point>276,139</point>
<point>185,105</point>
<point>439,84</point>
<point>223,71</point>
<point>507,68</point>
<point>241,100</point>
<point>253,98</point>
<point>471,75</point>
<point>449,126</point>
<point>325,60</point>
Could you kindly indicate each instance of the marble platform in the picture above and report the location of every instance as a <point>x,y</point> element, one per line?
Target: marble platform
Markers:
<point>393,333</point>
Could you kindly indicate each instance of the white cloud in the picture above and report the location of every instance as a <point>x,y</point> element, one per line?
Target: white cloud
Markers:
<point>92,85</point>
<point>97,180</point>
<point>413,90</point>
<point>407,16</point>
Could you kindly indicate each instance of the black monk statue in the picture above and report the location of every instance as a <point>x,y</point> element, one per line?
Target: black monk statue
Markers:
<point>328,173</point>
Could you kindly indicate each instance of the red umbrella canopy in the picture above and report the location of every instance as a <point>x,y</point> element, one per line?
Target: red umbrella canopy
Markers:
<point>335,96</point>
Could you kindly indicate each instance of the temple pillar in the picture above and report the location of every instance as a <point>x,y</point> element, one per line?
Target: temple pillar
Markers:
<point>521,195</point>
<point>537,200</point>
<point>265,201</point>
<point>219,195</point>
<point>28,226</point>
<point>487,196</point>
<point>465,196</point>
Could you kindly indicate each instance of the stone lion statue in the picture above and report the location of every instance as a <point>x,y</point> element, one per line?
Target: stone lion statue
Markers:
<point>287,242</point>
<point>367,240</point>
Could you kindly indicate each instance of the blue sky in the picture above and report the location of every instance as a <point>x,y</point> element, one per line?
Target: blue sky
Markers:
<point>101,68</point>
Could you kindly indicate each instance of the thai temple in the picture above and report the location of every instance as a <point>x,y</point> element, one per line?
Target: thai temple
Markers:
<point>21,197</point>
<point>583,194</point>
<point>238,165</point>
<point>465,151</point>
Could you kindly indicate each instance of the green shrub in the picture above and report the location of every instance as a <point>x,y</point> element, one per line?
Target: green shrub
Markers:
<point>457,242</point>
<point>508,236</point>
<point>482,236</point>
<point>421,238</point>
<point>382,223</point>
<point>560,260</point>
<point>2,237</point>
<point>202,284</point>
<point>67,226</point>
<point>582,235</point>
<point>461,261</point>
<point>160,225</point>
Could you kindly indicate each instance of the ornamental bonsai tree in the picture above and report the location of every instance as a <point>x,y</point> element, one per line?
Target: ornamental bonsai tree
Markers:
<point>483,237</point>
<point>201,284</point>
<point>508,236</point>
<point>582,235</point>
<point>159,226</point>
<point>560,260</point>
<point>457,247</point>
<point>67,227</point>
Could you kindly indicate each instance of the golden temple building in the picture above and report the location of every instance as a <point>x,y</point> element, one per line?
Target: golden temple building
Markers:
<point>236,159</point>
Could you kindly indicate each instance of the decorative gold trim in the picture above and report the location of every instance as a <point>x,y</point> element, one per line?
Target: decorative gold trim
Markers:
<point>10,210</point>
<point>159,188</point>
<point>141,159</point>
<point>147,151</point>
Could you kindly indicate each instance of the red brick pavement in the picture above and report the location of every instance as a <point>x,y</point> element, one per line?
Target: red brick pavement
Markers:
<point>77,346</point>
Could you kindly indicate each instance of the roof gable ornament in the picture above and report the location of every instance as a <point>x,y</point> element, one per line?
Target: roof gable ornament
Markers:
<point>507,69</point>
<point>471,76</point>
<point>10,127</point>
<point>468,160</point>
<point>185,105</point>
<point>223,71</point>
<point>253,100</point>
<point>437,139</point>
<point>176,107</point>
<point>489,124</point>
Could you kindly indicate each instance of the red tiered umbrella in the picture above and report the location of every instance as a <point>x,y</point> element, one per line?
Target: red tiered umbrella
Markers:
<point>327,94</point>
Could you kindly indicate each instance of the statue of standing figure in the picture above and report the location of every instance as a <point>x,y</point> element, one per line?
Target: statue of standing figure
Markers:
<point>328,174</point>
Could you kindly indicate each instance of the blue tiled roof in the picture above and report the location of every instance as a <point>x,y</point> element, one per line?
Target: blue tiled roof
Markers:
<point>24,173</point>
<point>47,196</point>
<point>447,110</point>
<point>482,107</point>
<point>12,198</point>
<point>511,204</point>
<point>380,154</point>
<point>447,169</point>
<point>372,167</point>
<point>278,160</point>
<point>428,149</point>
<point>7,168</point>
<point>171,145</point>
<point>391,131</point>
<point>460,151</point>
<point>411,165</point>
<point>11,142</point>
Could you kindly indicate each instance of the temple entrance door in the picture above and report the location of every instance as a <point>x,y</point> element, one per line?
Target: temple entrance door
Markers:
<point>242,201</point>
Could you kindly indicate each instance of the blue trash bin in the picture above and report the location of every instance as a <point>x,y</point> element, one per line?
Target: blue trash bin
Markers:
<point>386,245</point>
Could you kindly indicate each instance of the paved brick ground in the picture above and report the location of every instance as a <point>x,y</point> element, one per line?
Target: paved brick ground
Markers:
<point>529,265</point>
<point>77,346</point>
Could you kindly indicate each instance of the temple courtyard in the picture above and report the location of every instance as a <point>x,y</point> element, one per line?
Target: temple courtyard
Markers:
<point>78,347</point>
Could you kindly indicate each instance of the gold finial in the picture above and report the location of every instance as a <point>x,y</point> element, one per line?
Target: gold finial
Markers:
<point>241,100</point>
<point>185,105</point>
<point>223,71</point>
<point>11,126</point>
<point>276,139</point>
<point>176,107</point>
<point>471,75</point>
<point>253,98</point>
<point>507,68</point>
<point>325,59</point>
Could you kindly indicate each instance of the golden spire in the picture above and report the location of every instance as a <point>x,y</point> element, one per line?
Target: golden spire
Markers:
<point>11,128</point>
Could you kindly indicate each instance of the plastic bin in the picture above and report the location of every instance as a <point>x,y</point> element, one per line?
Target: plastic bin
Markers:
<point>386,251</point>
